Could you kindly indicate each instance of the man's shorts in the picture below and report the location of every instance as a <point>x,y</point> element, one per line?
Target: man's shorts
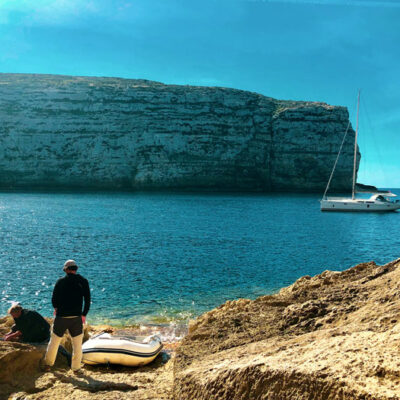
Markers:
<point>73,324</point>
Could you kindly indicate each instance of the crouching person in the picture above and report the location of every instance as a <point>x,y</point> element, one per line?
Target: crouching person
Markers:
<point>68,296</point>
<point>29,326</point>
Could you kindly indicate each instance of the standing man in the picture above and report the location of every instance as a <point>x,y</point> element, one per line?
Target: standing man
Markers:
<point>68,295</point>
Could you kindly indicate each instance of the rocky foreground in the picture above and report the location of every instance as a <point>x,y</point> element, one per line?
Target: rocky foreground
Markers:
<point>333,336</point>
<point>21,378</point>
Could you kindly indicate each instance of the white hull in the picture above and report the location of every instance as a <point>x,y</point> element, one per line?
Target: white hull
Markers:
<point>358,205</point>
<point>105,349</point>
<point>378,202</point>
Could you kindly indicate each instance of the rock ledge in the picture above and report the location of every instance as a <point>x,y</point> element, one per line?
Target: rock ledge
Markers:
<point>333,336</point>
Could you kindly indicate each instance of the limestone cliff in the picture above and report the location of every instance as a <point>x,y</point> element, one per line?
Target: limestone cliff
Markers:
<point>110,133</point>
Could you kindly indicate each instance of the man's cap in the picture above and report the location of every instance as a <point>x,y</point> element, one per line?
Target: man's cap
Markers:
<point>70,264</point>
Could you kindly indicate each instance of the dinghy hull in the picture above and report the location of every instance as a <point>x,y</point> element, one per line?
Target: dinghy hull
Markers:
<point>105,349</point>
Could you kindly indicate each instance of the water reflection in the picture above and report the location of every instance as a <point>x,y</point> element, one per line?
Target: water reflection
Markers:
<point>162,257</point>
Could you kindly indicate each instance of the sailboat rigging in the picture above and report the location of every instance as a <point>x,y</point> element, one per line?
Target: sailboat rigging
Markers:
<point>379,201</point>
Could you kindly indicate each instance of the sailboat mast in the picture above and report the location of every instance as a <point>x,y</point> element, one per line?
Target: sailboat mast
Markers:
<point>355,150</point>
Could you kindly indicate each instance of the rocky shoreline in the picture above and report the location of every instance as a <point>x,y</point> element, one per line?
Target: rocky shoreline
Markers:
<point>21,377</point>
<point>332,336</point>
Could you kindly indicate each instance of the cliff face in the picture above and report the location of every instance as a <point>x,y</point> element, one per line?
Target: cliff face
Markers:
<point>333,336</point>
<point>61,131</point>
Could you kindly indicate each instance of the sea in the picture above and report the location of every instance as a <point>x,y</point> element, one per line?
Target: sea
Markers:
<point>165,258</point>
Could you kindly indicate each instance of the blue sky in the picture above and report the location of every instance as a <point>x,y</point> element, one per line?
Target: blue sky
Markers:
<point>288,49</point>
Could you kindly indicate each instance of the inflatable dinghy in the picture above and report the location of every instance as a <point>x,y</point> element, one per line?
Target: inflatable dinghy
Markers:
<point>106,349</point>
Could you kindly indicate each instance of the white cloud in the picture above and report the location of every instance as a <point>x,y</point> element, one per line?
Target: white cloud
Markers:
<point>71,13</point>
<point>57,12</point>
<point>49,12</point>
<point>355,3</point>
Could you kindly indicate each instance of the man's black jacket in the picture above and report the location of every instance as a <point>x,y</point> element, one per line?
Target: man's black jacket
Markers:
<point>68,295</point>
<point>33,326</point>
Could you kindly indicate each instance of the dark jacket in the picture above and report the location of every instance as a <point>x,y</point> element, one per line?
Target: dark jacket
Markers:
<point>68,295</point>
<point>33,326</point>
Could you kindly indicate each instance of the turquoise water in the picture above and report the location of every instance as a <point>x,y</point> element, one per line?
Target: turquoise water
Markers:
<point>156,258</point>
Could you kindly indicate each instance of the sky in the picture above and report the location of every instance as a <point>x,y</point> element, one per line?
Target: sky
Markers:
<point>287,49</point>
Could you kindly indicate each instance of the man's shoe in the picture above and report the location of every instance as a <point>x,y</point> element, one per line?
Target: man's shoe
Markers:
<point>77,371</point>
<point>43,366</point>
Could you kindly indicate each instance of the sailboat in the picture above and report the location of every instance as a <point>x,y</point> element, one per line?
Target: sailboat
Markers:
<point>379,201</point>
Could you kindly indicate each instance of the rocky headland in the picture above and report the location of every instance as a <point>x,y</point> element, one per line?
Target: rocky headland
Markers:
<point>63,132</point>
<point>332,336</point>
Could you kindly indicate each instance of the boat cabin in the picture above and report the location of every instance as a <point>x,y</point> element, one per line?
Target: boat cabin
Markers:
<point>383,197</point>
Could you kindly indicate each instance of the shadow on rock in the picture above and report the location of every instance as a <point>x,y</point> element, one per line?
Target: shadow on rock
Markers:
<point>19,363</point>
<point>84,382</point>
